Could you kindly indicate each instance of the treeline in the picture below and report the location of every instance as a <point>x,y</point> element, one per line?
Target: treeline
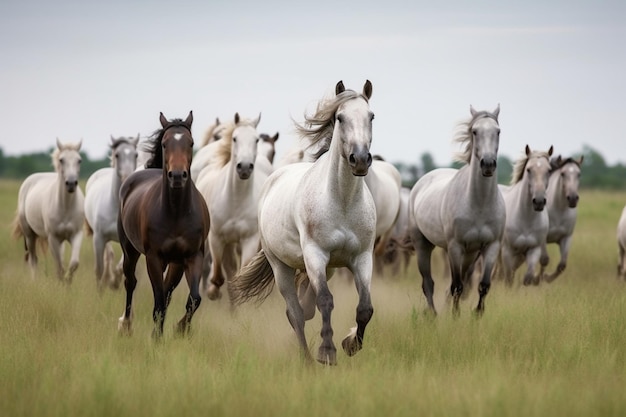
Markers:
<point>595,172</point>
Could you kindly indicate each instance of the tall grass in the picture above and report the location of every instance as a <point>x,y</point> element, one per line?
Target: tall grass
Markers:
<point>555,349</point>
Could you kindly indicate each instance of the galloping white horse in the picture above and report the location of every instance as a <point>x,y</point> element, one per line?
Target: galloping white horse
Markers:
<point>461,211</point>
<point>50,206</point>
<point>384,182</point>
<point>318,216</point>
<point>561,205</point>
<point>231,186</point>
<point>102,201</point>
<point>203,156</point>
<point>526,220</point>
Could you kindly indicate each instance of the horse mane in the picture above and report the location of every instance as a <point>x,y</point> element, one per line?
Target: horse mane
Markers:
<point>223,149</point>
<point>520,164</point>
<point>556,162</point>
<point>318,128</point>
<point>57,152</point>
<point>209,132</point>
<point>153,145</point>
<point>464,135</point>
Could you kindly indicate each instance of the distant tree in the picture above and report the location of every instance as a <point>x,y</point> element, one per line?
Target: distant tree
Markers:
<point>427,162</point>
<point>505,169</point>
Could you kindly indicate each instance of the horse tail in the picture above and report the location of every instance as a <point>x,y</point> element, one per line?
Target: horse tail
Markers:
<point>254,280</point>
<point>17,231</point>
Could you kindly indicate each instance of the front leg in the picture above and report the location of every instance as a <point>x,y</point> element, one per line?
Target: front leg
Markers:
<point>56,246</point>
<point>76,242</point>
<point>564,245</point>
<point>532,259</point>
<point>489,257</point>
<point>362,271</point>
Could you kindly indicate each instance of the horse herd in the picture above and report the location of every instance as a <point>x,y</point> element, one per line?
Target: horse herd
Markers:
<point>229,215</point>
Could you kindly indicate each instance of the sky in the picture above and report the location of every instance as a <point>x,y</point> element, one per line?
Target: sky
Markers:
<point>91,69</point>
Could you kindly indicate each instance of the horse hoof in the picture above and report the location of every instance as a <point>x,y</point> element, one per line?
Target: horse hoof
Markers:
<point>327,357</point>
<point>351,345</point>
<point>124,327</point>
<point>214,292</point>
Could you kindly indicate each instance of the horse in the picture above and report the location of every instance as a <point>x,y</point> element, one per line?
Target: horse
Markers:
<point>231,186</point>
<point>527,222</point>
<point>203,156</point>
<point>384,182</point>
<point>317,216</point>
<point>397,253</point>
<point>50,209</point>
<point>267,146</point>
<point>102,202</point>
<point>621,244</point>
<point>561,205</point>
<point>461,211</point>
<point>163,216</point>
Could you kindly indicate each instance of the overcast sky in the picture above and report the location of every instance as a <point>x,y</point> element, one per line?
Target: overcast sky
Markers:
<point>85,69</point>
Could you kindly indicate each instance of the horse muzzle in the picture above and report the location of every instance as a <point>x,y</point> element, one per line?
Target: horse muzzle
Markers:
<point>177,178</point>
<point>539,203</point>
<point>244,170</point>
<point>488,166</point>
<point>71,185</point>
<point>360,163</point>
<point>572,200</point>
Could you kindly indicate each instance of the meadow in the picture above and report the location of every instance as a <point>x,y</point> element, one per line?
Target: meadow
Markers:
<point>554,349</point>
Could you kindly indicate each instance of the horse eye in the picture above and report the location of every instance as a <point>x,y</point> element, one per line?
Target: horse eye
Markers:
<point>234,139</point>
<point>257,140</point>
<point>474,132</point>
<point>340,118</point>
<point>372,117</point>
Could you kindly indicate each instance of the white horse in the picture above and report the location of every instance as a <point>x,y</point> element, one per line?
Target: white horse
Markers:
<point>461,211</point>
<point>384,182</point>
<point>527,222</point>
<point>267,146</point>
<point>318,216</point>
<point>561,205</point>
<point>50,207</point>
<point>397,254</point>
<point>102,204</point>
<point>231,186</point>
<point>621,244</point>
<point>209,144</point>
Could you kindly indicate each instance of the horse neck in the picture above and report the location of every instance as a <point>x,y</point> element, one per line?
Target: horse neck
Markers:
<point>556,195</point>
<point>116,183</point>
<point>178,200</point>
<point>339,178</point>
<point>480,188</point>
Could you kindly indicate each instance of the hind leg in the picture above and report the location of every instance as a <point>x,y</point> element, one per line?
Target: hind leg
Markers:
<point>424,249</point>
<point>76,243</point>
<point>30,245</point>
<point>621,272</point>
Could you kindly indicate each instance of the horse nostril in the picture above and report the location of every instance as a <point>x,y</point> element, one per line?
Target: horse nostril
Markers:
<point>352,159</point>
<point>185,175</point>
<point>239,165</point>
<point>369,159</point>
<point>251,167</point>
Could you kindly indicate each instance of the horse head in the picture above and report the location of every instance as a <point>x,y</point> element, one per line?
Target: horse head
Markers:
<point>570,179</point>
<point>124,155</point>
<point>177,145</point>
<point>538,173</point>
<point>353,125</point>
<point>485,136</point>
<point>244,145</point>
<point>67,161</point>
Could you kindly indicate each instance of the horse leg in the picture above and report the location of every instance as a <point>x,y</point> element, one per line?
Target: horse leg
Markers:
<point>362,271</point>
<point>217,277</point>
<point>424,249</point>
<point>57,255</point>
<point>620,265</point>
<point>99,253</point>
<point>315,261</point>
<point>489,258</point>
<point>30,244</point>
<point>76,243</point>
<point>193,272</point>
<point>532,258</point>
<point>458,265</point>
<point>155,271</point>
<point>506,265</point>
<point>118,273</point>
<point>544,260</point>
<point>285,280</point>
<point>564,245</point>
<point>131,256</point>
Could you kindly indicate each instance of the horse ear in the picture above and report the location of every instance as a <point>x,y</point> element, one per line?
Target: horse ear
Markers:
<point>550,150</point>
<point>112,141</point>
<point>59,144</point>
<point>163,120</point>
<point>189,120</point>
<point>79,144</point>
<point>236,118</point>
<point>527,150</point>
<point>217,121</point>
<point>472,111</point>
<point>580,161</point>
<point>367,89</point>
<point>339,88</point>
<point>256,121</point>
<point>496,112</point>
<point>275,137</point>
<point>136,140</point>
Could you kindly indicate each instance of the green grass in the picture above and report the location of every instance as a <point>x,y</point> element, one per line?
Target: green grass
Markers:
<point>552,350</point>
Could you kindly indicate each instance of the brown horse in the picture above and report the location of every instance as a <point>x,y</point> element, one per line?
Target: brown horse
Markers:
<point>164,217</point>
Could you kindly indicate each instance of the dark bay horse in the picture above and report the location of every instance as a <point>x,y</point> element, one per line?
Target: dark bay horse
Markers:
<point>164,217</point>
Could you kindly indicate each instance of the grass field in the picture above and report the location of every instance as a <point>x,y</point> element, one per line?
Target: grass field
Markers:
<point>551,350</point>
